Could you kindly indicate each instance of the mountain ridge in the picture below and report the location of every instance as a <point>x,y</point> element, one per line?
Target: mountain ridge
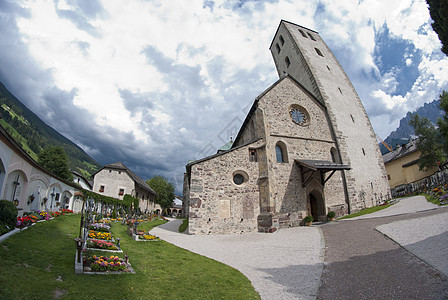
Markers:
<point>34,134</point>
<point>405,131</point>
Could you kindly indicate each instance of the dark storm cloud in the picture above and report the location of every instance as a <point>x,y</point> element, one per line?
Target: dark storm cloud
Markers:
<point>185,75</point>
<point>105,144</point>
<point>136,102</point>
<point>18,71</point>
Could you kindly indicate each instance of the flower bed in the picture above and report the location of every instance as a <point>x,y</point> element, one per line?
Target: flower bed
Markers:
<point>98,264</point>
<point>105,263</point>
<point>43,215</point>
<point>94,244</point>
<point>100,235</point>
<point>26,221</point>
<point>100,227</point>
<point>148,237</point>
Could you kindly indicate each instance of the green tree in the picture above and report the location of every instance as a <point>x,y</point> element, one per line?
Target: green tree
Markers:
<point>54,159</point>
<point>164,190</point>
<point>442,123</point>
<point>429,142</point>
<point>438,9</point>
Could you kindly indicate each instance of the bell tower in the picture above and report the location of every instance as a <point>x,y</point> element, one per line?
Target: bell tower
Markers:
<point>302,53</point>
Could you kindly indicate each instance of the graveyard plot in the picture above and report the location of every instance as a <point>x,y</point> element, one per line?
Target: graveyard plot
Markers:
<point>38,263</point>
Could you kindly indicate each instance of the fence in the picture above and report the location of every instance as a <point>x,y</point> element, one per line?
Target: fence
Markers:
<point>438,178</point>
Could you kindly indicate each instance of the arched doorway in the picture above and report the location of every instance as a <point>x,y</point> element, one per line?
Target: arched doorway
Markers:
<point>313,207</point>
<point>316,206</point>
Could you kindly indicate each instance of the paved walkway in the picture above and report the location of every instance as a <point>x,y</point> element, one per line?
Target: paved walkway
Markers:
<point>360,262</point>
<point>286,264</point>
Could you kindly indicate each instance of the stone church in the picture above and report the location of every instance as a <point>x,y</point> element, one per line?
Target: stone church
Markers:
<point>306,147</point>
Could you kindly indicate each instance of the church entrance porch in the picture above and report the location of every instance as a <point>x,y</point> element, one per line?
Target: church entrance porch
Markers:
<point>316,207</point>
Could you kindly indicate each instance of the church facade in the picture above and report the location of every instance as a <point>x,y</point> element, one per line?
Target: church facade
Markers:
<point>306,147</point>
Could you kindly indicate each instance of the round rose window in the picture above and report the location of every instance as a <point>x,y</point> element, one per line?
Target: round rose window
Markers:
<point>299,115</point>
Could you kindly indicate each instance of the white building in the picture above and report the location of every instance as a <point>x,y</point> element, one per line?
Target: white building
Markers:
<point>116,180</point>
<point>29,186</point>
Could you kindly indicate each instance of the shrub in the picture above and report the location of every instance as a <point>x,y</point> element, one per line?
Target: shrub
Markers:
<point>308,219</point>
<point>3,229</point>
<point>183,226</point>
<point>8,214</point>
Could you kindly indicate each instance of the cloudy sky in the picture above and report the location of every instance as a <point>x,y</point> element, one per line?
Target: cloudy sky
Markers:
<point>154,84</point>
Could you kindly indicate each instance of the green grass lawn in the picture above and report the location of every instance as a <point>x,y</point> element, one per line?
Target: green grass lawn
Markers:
<point>432,199</point>
<point>366,211</point>
<point>150,225</point>
<point>38,263</point>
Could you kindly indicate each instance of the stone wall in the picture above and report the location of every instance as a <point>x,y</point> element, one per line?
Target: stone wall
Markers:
<point>216,203</point>
<point>313,141</point>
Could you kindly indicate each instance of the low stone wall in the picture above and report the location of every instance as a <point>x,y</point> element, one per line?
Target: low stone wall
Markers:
<point>269,223</point>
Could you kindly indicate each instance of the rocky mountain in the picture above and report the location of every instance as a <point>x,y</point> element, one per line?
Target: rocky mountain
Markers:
<point>405,130</point>
<point>33,134</point>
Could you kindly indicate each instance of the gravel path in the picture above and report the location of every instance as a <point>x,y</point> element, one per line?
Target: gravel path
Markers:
<point>286,264</point>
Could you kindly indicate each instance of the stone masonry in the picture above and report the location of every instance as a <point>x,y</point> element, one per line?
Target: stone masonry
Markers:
<point>297,152</point>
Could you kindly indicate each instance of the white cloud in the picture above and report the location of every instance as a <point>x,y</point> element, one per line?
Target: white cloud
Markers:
<point>170,77</point>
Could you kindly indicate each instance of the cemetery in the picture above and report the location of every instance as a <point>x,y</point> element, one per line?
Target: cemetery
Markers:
<point>95,254</point>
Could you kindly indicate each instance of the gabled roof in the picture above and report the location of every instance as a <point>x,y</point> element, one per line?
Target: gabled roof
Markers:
<point>193,162</point>
<point>89,183</point>
<point>284,21</point>
<point>120,166</point>
<point>255,104</point>
<point>402,151</point>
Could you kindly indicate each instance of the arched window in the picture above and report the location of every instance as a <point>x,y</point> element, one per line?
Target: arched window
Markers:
<point>334,155</point>
<point>280,152</point>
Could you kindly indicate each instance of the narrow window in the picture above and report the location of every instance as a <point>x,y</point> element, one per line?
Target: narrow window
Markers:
<point>253,155</point>
<point>119,172</point>
<point>279,153</point>
<point>101,188</point>
<point>303,33</point>
<point>282,41</point>
<point>363,152</point>
<point>388,176</point>
<point>334,155</point>
<point>287,62</point>
<point>340,91</point>
<point>318,52</point>
<point>110,171</point>
<point>353,119</point>
<point>328,68</point>
<point>277,47</point>
<point>312,37</point>
<point>121,192</point>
